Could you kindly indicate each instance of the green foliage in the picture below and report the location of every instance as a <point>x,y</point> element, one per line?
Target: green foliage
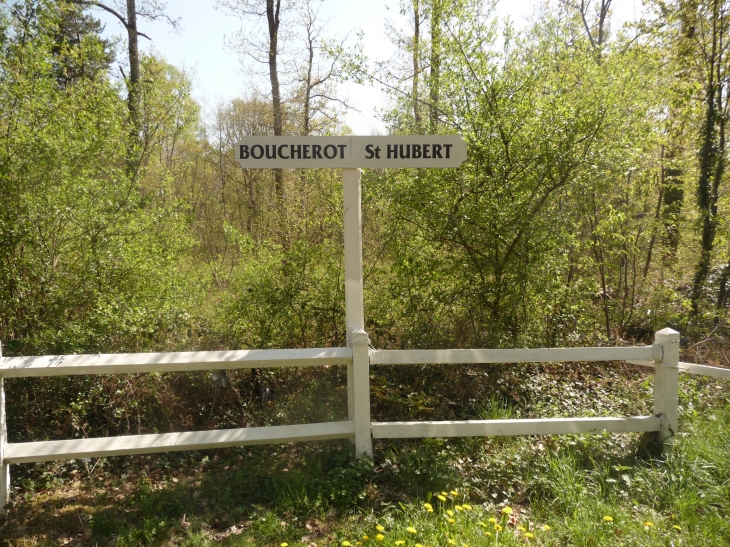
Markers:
<point>549,235</point>
<point>348,480</point>
<point>86,267</point>
<point>79,51</point>
<point>527,233</point>
<point>286,298</point>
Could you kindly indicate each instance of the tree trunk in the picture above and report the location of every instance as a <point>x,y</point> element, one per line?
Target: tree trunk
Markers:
<point>603,11</point>
<point>306,129</point>
<point>722,297</point>
<point>672,174</point>
<point>673,191</point>
<point>652,240</point>
<point>708,155</point>
<point>416,61</point>
<point>133,92</point>
<point>434,83</point>
<point>712,153</point>
<point>273,12</point>
<point>272,17</point>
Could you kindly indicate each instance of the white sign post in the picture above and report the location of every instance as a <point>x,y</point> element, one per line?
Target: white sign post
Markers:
<point>4,466</point>
<point>350,154</point>
<point>358,371</point>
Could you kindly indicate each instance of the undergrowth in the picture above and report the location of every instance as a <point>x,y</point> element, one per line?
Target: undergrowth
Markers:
<point>610,489</point>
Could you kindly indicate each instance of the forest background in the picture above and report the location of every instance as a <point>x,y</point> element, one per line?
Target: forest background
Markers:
<point>592,209</point>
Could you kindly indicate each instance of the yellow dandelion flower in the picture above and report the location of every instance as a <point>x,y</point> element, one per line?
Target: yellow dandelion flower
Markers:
<point>454,493</point>
<point>467,507</point>
<point>380,528</point>
<point>366,537</point>
<point>528,535</point>
<point>648,524</point>
<point>444,493</point>
<point>458,507</point>
<point>452,542</point>
<point>400,542</point>
<point>493,520</point>
<point>380,537</point>
<point>346,544</point>
<point>428,507</point>
<point>411,530</point>
<point>497,527</point>
<point>608,519</point>
<point>545,527</point>
<point>507,510</point>
<point>442,498</point>
<point>451,521</point>
<point>419,545</point>
<point>430,510</point>
<point>358,543</point>
<point>482,524</point>
<point>450,512</point>
<point>676,527</point>
<point>488,534</point>
<point>285,544</point>
<point>522,529</point>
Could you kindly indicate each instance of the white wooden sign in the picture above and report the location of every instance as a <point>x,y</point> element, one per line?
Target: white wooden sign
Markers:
<point>351,152</point>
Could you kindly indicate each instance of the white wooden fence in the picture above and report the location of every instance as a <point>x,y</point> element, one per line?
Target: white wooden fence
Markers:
<point>663,355</point>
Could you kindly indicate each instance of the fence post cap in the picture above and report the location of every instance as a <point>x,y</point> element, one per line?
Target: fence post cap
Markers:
<point>666,335</point>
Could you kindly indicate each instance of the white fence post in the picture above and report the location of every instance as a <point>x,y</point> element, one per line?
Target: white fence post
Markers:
<point>4,467</point>
<point>361,391</point>
<point>666,382</point>
<point>358,373</point>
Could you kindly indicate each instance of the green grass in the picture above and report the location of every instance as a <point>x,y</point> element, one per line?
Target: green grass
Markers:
<point>559,489</point>
<point>569,488</point>
<point>681,499</point>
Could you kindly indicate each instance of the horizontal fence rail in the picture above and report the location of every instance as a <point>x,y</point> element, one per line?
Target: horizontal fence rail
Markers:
<point>704,370</point>
<point>185,361</point>
<point>541,426</point>
<point>691,368</point>
<point>170,442</point>
<point>484,356</point>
